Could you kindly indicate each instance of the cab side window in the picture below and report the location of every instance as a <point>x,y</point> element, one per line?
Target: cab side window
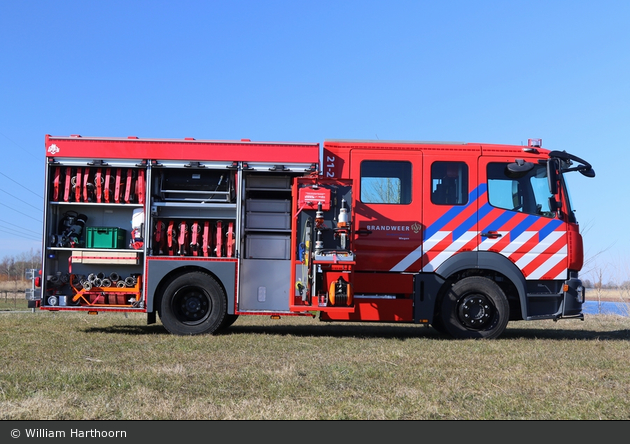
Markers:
<point>449,183</point>
<point>385,182</point>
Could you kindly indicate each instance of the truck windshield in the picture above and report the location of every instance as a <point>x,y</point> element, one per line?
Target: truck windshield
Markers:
<point>526,192</point>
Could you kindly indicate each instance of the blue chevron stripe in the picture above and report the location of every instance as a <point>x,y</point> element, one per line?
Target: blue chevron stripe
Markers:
<point>454,212</point>
<point>521,227</point>
<point>500,221</point>
<point>549,228</point>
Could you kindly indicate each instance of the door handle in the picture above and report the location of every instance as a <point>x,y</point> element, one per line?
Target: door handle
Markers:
<point>366,232</point>
<point>492,234</point>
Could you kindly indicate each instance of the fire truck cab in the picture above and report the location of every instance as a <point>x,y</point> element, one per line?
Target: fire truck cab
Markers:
<point>463,237</point>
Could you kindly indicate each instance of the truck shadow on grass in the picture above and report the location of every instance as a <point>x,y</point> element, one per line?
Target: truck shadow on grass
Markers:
<point>377,332</point>
<point>555,334</point>
<point>419,332</point>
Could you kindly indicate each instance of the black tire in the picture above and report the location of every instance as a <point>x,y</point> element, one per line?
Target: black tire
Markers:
<point>475,308</point>
<point>438,325</point>
<point>228,321</point>
<point>193,304</point>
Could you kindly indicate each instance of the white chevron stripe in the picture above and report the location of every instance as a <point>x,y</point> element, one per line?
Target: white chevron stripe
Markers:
<point>553,260</point>
<point>416,254</point>
<point>435,239</point>
<point>408,260</point>
<point>438,260</point>
<point>487,243</point>
<point>538,249</point>
<point>518,242</point>
<point>450,251</point>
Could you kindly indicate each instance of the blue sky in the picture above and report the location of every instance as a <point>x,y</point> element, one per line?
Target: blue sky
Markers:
<point>276,70</point>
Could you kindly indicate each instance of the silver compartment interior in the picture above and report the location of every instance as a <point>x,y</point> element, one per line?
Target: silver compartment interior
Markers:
<point>266,264</point>
<point>265,287</point>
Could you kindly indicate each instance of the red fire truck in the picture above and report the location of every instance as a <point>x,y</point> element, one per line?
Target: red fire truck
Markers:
<point>460,236</point>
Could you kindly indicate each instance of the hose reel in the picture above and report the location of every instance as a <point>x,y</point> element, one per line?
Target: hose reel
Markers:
<point>340,293</point>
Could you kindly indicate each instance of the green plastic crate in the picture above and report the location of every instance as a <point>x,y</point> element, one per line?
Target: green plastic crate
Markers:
<point>105,237</point>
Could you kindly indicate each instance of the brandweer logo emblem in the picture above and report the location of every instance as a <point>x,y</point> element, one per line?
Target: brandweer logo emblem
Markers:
<point>53,149</point>
<point>416,227</point>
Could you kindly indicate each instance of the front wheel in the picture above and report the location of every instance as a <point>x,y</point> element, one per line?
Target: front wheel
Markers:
<point>193,304</point>
<point>475,308</point>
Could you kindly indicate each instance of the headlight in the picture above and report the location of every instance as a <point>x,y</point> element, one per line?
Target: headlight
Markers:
<point>581,293</point>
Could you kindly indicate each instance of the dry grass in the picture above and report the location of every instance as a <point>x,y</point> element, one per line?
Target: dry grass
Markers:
<point>608,294</point>
<point>65,366</point>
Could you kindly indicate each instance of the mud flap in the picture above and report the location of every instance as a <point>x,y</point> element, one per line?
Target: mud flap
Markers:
<point>426,287</point>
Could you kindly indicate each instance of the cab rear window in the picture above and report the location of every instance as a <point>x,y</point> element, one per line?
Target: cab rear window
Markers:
<point>449,183</point>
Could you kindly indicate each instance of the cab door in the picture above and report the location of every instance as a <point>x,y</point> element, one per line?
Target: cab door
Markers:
<point>450,206</point>
<point>517,222</point>
<point>387,208</point>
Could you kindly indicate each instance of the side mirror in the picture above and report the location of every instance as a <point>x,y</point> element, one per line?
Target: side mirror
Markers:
<point>552,176</point>
<point>584,167</point>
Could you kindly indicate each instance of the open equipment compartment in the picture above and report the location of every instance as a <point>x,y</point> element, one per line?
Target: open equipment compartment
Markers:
<point>88,259</point>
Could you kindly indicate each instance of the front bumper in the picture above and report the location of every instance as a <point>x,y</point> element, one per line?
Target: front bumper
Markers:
<point>574,297</point>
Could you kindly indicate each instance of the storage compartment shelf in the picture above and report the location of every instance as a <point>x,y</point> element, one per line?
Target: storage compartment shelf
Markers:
<point>96,204</point>
<point>194,205</point>
<point>102,184</point>
<point>118,296</point>
<point>199,185</point>
<point>193,210</point>
<point>194,237</point>
<point>92,249</point>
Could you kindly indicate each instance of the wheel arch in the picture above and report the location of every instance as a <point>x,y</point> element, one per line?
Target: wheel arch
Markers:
<point>161,273</point>
<point>489,264</point>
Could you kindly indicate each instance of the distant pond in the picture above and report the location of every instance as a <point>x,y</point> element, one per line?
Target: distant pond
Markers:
<point>615,308</point>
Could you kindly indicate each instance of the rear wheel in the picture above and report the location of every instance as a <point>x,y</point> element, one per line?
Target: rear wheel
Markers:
<point>228,321</point>
<point>193,304</point>
<point>475,308</point>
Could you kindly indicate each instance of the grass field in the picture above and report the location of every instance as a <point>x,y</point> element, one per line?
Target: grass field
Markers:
<point>65,365</point>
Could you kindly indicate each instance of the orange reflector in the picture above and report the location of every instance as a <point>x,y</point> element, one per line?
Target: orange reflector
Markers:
<point>565,288</point>
<point>92,312</point>
<point>275,317</point>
